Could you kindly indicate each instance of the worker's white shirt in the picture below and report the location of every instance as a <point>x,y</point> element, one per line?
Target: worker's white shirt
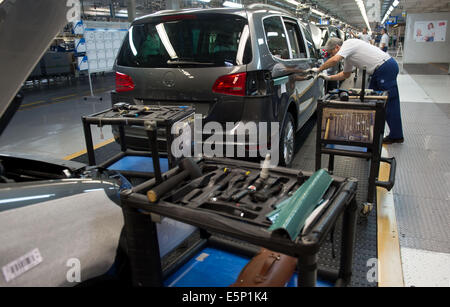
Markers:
<point>365,37</point>
<point>358,53</point>
<point>384,40</point>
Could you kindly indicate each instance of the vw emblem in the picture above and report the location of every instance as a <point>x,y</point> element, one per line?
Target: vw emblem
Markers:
<point>169,79</point>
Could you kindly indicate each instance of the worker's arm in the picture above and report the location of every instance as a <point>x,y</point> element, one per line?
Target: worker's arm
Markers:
<point>331,62</point>
<point>340,76</point>
<point>354,35</point>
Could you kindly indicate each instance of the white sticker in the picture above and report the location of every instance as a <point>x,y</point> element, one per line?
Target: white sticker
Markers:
<point>261,41</point>
<point>23,264</point>
<point>283,88</point>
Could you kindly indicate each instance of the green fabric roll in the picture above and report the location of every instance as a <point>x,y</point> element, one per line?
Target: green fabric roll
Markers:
<point>290,216</point>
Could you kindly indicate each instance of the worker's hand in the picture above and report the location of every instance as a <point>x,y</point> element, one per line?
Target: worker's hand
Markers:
<point>314,70</point>
<point>324,76</point>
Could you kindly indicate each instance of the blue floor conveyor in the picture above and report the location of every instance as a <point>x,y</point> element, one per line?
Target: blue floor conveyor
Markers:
<point>139,164</point>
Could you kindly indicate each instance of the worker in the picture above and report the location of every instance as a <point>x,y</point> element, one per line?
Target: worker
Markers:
<point>382,67</point>
<point>365,36</point>
<point>384,42</point>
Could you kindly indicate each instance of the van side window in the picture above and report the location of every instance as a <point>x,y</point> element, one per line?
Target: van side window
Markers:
<point>310,44</point>
<point>295,39</point>
<point>276,38</point>
<point>325,38</point>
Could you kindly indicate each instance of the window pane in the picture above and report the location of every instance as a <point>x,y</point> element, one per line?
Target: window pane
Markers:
<point>205,39</point>
<point>310,43</point>
<point>276,39</point>
<point>295,38</point>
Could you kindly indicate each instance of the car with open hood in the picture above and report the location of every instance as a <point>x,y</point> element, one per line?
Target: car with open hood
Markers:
<point>55,215</point>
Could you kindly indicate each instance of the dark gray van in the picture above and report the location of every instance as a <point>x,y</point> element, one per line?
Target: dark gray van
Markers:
<point>232,65</point>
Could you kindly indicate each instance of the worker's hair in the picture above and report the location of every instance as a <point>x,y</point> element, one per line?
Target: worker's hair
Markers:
<point>332,43</point>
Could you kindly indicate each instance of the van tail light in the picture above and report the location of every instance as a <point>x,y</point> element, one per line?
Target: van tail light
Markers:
<point>231,84</point>
<point>124,83</point>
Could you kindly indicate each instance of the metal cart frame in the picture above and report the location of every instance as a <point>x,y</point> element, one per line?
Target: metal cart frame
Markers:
<point>142,240</point>
<point>373,149</point>
<point>151,124</point>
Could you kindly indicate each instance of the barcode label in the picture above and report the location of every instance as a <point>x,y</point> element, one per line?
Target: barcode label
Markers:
<point>25,263</point>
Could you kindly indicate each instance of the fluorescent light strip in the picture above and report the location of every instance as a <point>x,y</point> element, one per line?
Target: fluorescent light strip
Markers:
<point>130,39</point>
<point>293,2</point>
<point>242,43</point>
<point>389,11</point>
<point>232,4</point>
<point>166,41</point>
<point>317,12</point>
<point>362,8</point>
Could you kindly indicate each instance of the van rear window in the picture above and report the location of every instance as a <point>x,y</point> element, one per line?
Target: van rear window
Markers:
<point>213,40</point>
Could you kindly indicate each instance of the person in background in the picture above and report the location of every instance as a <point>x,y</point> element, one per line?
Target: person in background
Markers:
<point>394,41</point>
<point>384,42</point>
<point>365,36</point>
<point>379,64</point>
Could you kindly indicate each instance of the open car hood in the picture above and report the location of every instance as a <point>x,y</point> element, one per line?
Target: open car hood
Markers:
<point>27,28</point>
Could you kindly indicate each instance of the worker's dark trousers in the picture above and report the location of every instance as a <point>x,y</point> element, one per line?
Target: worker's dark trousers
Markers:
<point>385,79</point>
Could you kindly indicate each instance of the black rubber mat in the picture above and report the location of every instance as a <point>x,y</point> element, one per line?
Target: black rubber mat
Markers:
<point>102,154</point>
<point>366,237</point>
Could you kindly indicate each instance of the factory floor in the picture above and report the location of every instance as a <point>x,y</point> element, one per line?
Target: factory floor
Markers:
<point>413,219</point>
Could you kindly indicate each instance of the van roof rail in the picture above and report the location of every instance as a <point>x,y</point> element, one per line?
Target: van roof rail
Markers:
<point>269,7</point>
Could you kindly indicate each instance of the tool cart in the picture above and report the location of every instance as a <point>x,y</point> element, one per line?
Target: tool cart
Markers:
<point>157,121</point>
<point>284,210</point>
<point>351,123</point>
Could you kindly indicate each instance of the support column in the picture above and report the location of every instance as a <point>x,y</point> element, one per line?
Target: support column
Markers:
<point>131,10</point>
<point>112,10</point>
<point>172,4</point>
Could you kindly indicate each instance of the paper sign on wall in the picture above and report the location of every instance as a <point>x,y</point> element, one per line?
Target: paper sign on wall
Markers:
<point>430,31</point>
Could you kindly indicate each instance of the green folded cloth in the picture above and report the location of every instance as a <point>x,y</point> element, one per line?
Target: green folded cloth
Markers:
<point>291,214</point>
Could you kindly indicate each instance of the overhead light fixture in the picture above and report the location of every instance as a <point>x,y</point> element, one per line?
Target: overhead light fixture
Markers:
<point>207,1</point>
<point>396,2</point>
<point>232,4</point>
<point>317,12</point>
<point>293,2</point>
<point>362,8</point>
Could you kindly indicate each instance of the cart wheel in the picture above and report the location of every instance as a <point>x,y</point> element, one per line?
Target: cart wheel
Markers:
<point>366,208</point>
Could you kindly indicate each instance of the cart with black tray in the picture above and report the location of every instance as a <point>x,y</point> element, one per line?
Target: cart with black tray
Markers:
<point>352,123</point>
<point>157,121</point>
<point>212,204</point>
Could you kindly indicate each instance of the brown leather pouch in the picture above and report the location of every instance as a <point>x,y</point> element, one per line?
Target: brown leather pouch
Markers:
<point>267,269</point>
